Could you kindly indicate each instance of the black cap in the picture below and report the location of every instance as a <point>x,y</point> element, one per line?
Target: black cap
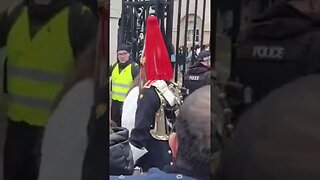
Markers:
<point>124,46</point>
<point>204,55</point>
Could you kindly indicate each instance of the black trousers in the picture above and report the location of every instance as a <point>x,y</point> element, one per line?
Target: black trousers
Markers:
<point>116,111</point>
<point>22,151</point>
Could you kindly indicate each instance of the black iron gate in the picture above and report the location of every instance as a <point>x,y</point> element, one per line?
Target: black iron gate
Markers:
<point>193,38</point>
<point>132,27</point>
<point>132,22</point>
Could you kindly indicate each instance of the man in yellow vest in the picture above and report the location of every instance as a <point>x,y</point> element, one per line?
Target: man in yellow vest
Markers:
<point>123,73</point>
<point>43,39</point>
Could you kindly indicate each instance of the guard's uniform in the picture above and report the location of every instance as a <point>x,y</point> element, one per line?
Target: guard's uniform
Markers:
<point>157,104</point>
<point>149,106</point>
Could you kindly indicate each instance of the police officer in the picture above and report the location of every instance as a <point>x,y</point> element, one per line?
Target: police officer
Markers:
<point>123,73</point>
<point>265,61</point>
<point>43,39</point>
<point>199,74</point>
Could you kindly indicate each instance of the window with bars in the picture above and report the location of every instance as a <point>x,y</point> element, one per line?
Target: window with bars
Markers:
<point>190,35</point>
<point>197,35</point>
<point>191,31</point>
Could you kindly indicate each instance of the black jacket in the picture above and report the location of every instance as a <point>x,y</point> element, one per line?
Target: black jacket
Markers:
<point>120,155</point>
<point>197,76</point>
<point>280,46</point>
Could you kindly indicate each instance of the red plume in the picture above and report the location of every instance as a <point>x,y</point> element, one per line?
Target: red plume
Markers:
<point>157,64</point>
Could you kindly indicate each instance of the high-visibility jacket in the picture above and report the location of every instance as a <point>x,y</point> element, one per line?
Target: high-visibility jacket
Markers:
<point>121,82</point>
<point>37,67</point>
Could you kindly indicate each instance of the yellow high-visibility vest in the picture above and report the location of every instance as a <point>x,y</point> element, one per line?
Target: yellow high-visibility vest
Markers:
<point>37,67</point>
<point>121,82</point>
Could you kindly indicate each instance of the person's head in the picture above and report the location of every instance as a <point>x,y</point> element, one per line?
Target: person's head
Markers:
<point>191,143</point>
<point>123,52</point>
<point>205,58</point>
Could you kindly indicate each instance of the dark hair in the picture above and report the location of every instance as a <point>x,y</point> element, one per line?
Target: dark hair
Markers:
<point>194,132</point>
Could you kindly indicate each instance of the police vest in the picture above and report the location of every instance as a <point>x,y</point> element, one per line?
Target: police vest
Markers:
<point>121,82</point>
<point>194,81</point>
<point>37,67</point>
<point>264,65</point>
